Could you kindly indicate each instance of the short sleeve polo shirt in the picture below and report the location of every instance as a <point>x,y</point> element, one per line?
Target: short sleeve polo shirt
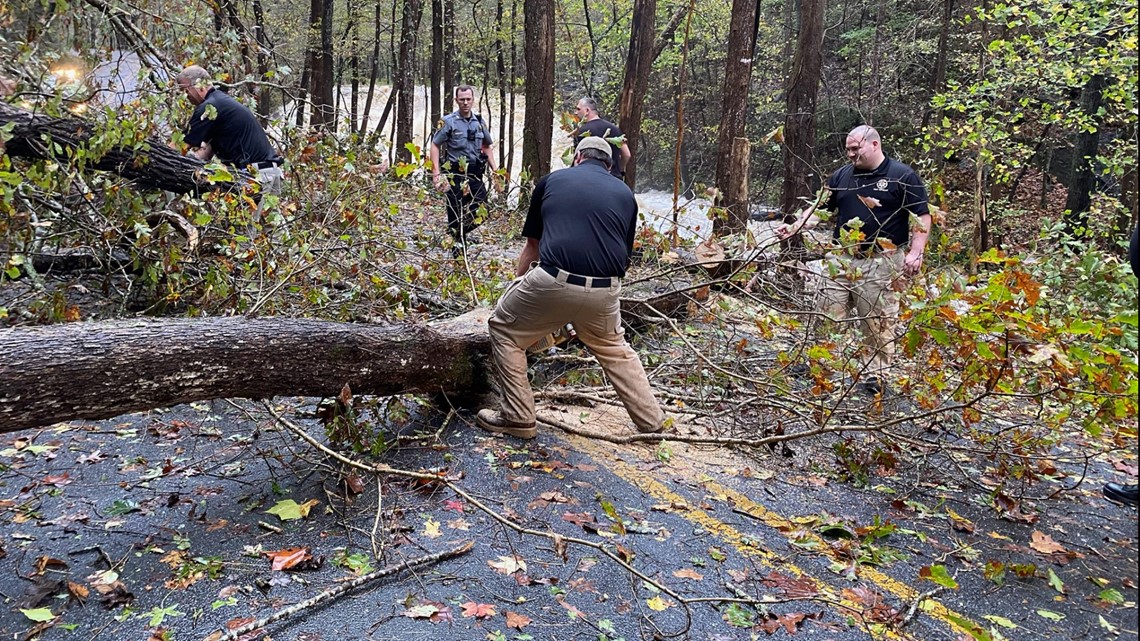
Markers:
<point>883,199</point>
<point>231,129</point>
<point>461,137</point>
<point>584,220</point>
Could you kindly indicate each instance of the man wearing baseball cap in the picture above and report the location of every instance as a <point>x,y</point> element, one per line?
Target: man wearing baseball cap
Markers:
<point>579,235</point>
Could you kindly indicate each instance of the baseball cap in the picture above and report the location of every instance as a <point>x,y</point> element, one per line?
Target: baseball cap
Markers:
<point>593,142</point>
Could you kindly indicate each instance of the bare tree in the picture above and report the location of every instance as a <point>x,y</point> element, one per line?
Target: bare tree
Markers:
<point>538,22</point>
<point>799,122</point>
<point>405,77</point>
<point>321,64</point>
<point>638,64</point>
<point>737,77</point>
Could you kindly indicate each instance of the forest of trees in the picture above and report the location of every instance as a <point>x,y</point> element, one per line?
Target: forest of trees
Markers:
<point>982,99</point>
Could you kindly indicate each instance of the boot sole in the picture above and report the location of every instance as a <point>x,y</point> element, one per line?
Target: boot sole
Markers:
<point>517,432</point>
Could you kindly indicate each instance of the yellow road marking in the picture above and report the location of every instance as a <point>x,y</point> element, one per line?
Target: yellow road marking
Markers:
<point>772,519</point>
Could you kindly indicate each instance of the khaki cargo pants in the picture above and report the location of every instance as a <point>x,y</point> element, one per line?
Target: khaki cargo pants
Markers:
<point>867,287</point>
<point>535,305</point>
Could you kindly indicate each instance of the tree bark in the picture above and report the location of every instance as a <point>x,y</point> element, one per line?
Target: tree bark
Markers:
<point>437,99</point>
<point>406,78</point>
<point>103,369</point>
<point>150,164</point>
<point>100,370</point>
<point>321,64</point>
<point>737,77</point>
<point>1084,159</point>
<point>799,123</point>
<point>538,24</point>
<point>638,64</point>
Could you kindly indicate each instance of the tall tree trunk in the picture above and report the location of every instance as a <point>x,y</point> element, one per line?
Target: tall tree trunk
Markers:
<point>734,106</point>
<point>501,70</point>
<point>303,89</point>
<point>799,122</point>
<point>513,77</point>
<point>538,23</point>
<point>681,90</point>
<point>374,72</point>
<point>437,100</point>
<point>263,97</point>
<point>450,64</point>
<point>353,66</point>
<point>405,78</point>
<point>638,64</point>
<point>1084,159</point>
<point>321,64</point>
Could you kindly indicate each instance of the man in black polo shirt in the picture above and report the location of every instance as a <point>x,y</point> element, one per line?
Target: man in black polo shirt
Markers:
<point>579,234</point>
<point>224,128</point>
<point>880,233</point>
<point>594,125</point>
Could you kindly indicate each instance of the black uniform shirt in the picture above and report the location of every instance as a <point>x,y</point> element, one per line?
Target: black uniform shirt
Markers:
<point>233,131</point>
<point>894,185</point>
<point>605,129</point>
<point>584,219</point>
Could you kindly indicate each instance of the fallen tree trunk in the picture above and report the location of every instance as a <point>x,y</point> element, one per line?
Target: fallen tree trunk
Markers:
<point>101,370</point>
<point>151,164</point>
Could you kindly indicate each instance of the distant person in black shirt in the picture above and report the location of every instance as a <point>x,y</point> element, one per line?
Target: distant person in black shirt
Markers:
<point>594,125</point>
<point>579,234</point>
<point>880,234</point>
<point>223,128</point>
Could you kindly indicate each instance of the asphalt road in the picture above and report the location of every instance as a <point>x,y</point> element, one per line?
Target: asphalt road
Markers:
<point>156,524</point>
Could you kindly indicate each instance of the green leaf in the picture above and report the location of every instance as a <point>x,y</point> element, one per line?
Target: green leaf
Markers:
<point>1055,581</point>
<point>290,510</point>
<point>1002,621</point>
<point>122,507</point>
<point>1111,596</point>
<point>39,615</point>
<point>1049,614</point>
<point>1111,629</point>
<point>939,575</point>
<point>973,629</point>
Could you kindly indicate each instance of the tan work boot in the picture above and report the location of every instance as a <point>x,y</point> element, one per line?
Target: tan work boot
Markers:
<point>491,421</point>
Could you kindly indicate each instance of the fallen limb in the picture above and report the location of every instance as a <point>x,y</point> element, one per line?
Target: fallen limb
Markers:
<point>101,370</point>
<point>150,163</point>
<point>340,590</point>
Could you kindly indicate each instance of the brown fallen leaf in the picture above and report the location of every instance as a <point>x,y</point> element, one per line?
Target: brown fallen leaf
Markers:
<point>688,573</point>
<point>516,620</point>
<point>1045,544</point>
<point>79,591</point>
<point>289,558</point>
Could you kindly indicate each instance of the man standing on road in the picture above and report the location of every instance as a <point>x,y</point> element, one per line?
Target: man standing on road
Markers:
<point>593,125</point>
<point>458,171</point>
<point>224,128</point>
<point>880,233</point>
<point>579,234</point>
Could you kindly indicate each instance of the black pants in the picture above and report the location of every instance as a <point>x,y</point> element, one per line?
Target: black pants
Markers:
<point>467,193</point>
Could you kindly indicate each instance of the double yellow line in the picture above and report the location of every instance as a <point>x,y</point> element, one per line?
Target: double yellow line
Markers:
<point>734,537</point>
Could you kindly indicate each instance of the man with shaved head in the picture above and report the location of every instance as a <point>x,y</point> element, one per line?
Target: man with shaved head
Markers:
<point>880,234</point>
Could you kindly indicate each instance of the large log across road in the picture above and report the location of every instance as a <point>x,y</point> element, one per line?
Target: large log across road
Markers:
<point>104,369</point>
<point>152,165</point>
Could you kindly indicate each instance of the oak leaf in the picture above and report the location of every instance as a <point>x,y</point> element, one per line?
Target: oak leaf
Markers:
<point>1045,544</point>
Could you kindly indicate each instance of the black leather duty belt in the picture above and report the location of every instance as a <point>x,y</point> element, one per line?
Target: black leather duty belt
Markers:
<point>266,164</point>
<point>575,279</point>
